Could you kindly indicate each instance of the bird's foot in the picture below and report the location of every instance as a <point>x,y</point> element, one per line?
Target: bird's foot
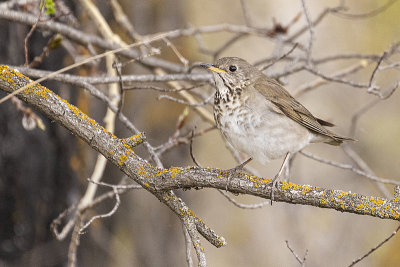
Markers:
<point>273,186</point>
<point>235,170</point>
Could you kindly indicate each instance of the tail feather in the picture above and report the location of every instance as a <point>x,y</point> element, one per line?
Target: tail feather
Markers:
<point>336,140</point>
<point>325,123</point>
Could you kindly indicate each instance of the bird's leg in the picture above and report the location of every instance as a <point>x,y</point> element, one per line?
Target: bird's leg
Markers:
<point>235,169</point>
<point>288,166</point>
<point>275,180</point>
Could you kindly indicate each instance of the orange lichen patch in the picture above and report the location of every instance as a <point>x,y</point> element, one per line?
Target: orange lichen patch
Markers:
<point>290,185</point>
<point>257,181</point>
<point>396,215</point>
<point>38,90</point>
<point>361,206</point>
<point>141,170</point>
<point>127,146</point>
<point>80,114</point>
<point>306,189</point>
<point>42,91</point>
<point>110,152</point>
<point>146,185</point>
<point>108,133</point>
<point>186,211</point>
<point>173,171</point>
<point>135,139</point>
<point>8,75</point>
<point>122,160</point>
<point>376,201</point>
<point>324,201</point>
<point>221,242</point>
<point>342,204</point>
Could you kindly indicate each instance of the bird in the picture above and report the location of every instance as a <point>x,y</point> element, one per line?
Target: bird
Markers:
<point>258,117</point>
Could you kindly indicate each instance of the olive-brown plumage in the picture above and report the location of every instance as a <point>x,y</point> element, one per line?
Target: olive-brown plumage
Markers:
<point>258,117</point>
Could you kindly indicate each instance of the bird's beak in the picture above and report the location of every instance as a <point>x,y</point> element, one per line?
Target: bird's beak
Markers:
<point>211,67</point>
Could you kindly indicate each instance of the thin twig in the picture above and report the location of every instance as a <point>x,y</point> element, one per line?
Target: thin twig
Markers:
<point>368,14</point>
<point>109,214</point>
<point>294,253</point>
<point>180,101</point>
<point>241,205</point>
<point>74,243</point>
<point>375,248</point>
<point>184,61</point>
<point>28,35</point>
<point>156,88</point>
<point>191,150</point>
<point>350,167</point>
<point>280,58</point>
<point>246,14</point>
<point>311,30</point>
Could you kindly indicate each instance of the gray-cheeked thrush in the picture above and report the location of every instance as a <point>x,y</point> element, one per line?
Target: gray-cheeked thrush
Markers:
<point>258,117</point>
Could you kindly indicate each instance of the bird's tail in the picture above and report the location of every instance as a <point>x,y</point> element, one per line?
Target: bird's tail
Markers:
<point>336,140</point>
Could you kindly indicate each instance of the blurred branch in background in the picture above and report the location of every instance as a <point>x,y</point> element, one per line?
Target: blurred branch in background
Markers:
<point>126,51</point>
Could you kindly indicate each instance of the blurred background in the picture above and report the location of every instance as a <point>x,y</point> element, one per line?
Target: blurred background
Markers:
<point>44,172</point>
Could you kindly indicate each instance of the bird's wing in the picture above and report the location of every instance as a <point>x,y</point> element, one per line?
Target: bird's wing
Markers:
<point>290,106</point>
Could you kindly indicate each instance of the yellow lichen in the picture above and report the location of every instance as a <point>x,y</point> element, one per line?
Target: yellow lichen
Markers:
<point>141,170</point>
<point>306,189</point>
<point>122,160</point>
<point>376,201</point>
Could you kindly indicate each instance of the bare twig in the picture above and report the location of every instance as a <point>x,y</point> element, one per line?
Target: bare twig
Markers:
<point>368,14</point>
<point>205,102</point>
<point>241,205</point>
<point>350,167</point>
<point>156,88</point>
<point>28,35</point>
<point>191,150</point>
<point>74,243</point>
<point>109,214</point>
<point>301,261</point>
<point>280,58</point>
<point>375,248</point>
<point>184,61</point>
<point>311,30</point>
<point>246,14</point>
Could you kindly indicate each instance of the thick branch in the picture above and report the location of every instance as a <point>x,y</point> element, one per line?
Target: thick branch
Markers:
<point>156,180</point>
<point>118,151</point>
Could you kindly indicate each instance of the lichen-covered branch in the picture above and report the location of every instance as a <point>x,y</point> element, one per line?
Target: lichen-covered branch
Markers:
<point>157,180</point>
<point>118,151</point>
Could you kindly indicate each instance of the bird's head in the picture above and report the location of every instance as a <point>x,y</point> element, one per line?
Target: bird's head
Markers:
<point>232,71</point>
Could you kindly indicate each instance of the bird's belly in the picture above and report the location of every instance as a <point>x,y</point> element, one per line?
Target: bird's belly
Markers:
<point>263,137</point>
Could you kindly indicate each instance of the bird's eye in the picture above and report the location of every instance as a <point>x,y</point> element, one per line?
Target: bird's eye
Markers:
<point>232,68</point>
